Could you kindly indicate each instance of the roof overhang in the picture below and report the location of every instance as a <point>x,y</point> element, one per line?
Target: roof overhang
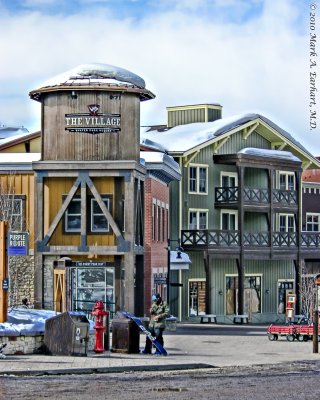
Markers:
<point>266,159</point>
<point>265,130</point>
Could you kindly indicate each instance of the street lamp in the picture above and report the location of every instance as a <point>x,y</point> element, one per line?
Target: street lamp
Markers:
<point>177,260</point>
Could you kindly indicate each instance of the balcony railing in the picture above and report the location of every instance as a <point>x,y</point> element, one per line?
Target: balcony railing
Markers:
<point>253,195</point>
<point>223,238</point>
<point>310,239</point>
<point>287,197</point>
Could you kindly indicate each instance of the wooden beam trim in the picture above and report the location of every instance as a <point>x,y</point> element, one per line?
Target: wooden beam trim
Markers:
<point>104,209</point>
<point>83,212</point>
<point>218,145</point>
<point>306,165</point>
<point>282,146</point>
<point>62,210</point>
<point>249,131</point>
<point>192,157</point>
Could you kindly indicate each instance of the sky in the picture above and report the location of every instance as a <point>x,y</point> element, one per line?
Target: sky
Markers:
<point>250,56</point>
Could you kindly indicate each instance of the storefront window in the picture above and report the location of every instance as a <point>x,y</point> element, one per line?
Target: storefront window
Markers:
<point>197,298</point>
<point>252,294</point>
<point>90,285</point>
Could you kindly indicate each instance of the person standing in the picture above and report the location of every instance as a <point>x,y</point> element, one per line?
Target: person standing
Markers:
<point>159,311</point>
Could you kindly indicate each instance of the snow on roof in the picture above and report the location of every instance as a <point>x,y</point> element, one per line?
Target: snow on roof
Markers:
<point>152,145</point>
<point>97,72</point>
<point>14,137</point>
<point>159,157</point>
<point>185,137</point>
<point>19,157</point>
<point>10,131</point>
<point>277,154</point>
<point>161,165</point>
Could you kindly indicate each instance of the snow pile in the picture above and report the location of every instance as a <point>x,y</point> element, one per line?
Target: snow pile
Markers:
<point>22,321</point>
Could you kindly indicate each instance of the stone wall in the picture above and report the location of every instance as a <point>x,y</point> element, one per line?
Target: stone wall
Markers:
<point>31,344</point>
<point>21,271</point>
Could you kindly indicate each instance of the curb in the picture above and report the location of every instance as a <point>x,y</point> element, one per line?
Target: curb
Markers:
<point>108,370</point>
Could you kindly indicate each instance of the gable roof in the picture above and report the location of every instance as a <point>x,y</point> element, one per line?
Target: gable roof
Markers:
<point>183,140</point>
<point>17,139</point>
<point>10,131</point>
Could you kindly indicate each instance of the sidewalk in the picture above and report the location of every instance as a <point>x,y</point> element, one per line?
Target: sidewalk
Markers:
<point>192,346</point>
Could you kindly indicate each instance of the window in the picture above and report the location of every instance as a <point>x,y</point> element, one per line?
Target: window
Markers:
<point>154,220</point>
<point>198,219</point>
<point>312,222</point>
<point>286,181</point>
<point>99,222</point>
<point>16,215</point>
<point>90,285</point>
<point>229,220</point>
<point>73,216</point>
<point>252,294</point>
<point>197,297</point>
<point>229,179</point>
<point>286,223</point>
<point>198,177</point>
<point>159,221</point>
<point>12,209</point>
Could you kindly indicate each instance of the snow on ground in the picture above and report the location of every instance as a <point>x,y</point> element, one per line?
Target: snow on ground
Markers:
<point>23,321</point>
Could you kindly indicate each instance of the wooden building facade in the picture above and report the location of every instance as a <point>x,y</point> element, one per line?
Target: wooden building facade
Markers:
<point>89,187</point>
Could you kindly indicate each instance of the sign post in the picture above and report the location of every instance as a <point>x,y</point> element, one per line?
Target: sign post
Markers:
<point>3,273</point>
<point>290,305</point>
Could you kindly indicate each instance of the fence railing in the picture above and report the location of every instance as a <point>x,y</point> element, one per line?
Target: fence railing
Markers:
<point>256,195</point>
<point>222,238</point>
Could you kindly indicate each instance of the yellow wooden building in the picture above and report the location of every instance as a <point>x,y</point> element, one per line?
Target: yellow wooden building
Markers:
<point>84,193</point>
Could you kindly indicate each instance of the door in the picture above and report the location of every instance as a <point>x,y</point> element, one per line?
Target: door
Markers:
<point>59,290</point>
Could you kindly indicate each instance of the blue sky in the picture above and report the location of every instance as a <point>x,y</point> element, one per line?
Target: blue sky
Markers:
<point>248,55</point>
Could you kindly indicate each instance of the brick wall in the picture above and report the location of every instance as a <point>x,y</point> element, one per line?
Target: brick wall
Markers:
<point>155,260</point>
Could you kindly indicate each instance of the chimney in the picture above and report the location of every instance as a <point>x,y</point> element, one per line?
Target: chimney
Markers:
<point>182,115</point>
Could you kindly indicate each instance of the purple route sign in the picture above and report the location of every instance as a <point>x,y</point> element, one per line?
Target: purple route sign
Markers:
<point>18,243</point>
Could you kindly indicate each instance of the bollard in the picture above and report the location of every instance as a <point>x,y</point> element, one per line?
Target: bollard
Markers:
<point>315,331</point>
<point>99,313</point>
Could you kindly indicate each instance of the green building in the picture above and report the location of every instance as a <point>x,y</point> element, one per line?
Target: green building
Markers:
<point>237,213</point>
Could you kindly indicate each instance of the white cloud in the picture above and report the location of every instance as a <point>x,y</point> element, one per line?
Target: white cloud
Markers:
<point>260,65</point>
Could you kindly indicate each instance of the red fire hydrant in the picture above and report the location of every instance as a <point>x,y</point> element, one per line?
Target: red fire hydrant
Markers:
<point>99,313</point>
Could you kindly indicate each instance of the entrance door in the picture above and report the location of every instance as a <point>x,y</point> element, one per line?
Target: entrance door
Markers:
<point>59,289</point>
<point>90,285</point>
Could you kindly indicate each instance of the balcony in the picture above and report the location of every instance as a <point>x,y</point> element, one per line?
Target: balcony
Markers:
<point>226,242</point>
<point>230,195</point>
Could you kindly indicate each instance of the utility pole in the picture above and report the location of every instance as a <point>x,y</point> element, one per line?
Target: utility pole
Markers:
<point>168,272</point>
<point>316,316</point>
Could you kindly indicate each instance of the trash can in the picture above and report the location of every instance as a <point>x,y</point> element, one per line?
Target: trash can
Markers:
<point>125,335</point>
<point>67,334</point>
<point>171,323</point>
